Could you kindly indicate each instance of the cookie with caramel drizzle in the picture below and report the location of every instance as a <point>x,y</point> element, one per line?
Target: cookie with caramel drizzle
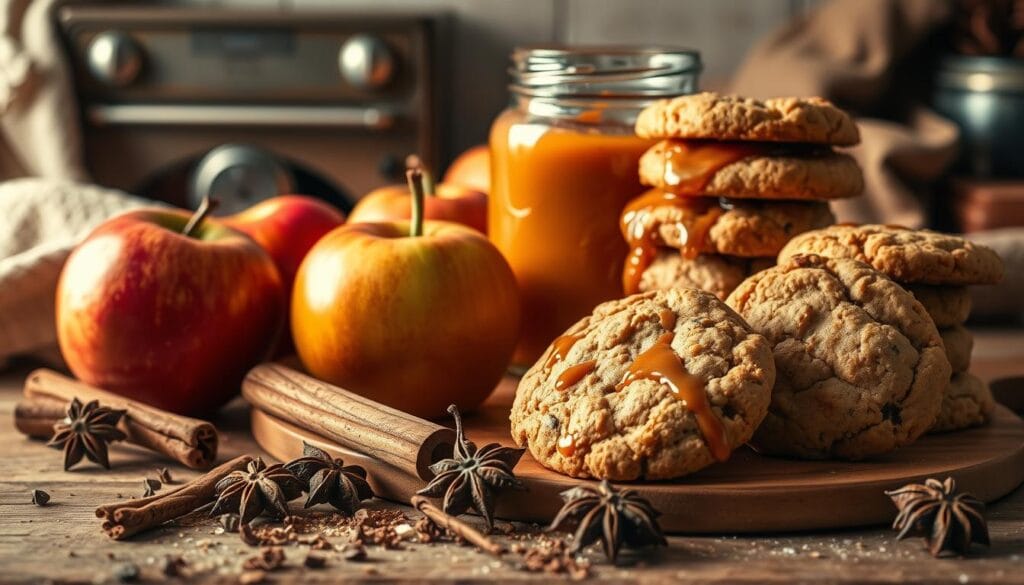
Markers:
<point>652,386</point>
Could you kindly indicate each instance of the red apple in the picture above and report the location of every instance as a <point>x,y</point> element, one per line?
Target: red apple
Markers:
<point>170,316</point>
<point>416,315</point>
<point>446,202</point>
<point>471,169</point>
<point>287,227</point>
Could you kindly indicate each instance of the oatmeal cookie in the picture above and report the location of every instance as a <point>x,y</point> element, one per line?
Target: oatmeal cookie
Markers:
<point>959,344</point>
<point>905,255</point>
<point>581,411</point>
<point>967,402</point>
<point>718,275</point>
<point>861,367</point>
<point>749,229</point>
<point>724,117</point>
<point>829,175</point>
<point>947,305</point>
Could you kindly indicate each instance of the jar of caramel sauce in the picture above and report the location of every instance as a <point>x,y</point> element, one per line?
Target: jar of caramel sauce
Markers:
<point>563,165</point>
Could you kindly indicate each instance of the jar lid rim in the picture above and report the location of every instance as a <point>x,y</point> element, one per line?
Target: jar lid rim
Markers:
<point>608,71</point>
<point>556,49</point>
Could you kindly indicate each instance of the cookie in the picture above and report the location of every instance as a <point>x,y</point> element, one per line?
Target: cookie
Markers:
<point>594,405</point>
<point>905,255</point>
<point>724,117</point>
<point>755,173</point>
<point>968,402</point>
<point>718,275</point>
<point>959,344</point>
<point>749,229</point>
<point>947,305</point>
<point>861,367</point>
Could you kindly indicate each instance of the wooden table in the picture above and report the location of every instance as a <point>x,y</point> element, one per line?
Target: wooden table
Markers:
<point>62,542</point>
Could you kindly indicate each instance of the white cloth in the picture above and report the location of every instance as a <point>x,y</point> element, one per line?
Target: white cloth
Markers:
<point>40,134</point>
<point>41,220</point>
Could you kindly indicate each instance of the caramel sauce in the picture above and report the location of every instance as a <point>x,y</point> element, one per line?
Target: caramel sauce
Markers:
<point>690,164</point>
<point>641,229</point>
<point>556,195</point>
<point>667,318</point>
<point>560,348</point>
<point>574,374</point>
<point>661,364</point>
<point>567,445</point>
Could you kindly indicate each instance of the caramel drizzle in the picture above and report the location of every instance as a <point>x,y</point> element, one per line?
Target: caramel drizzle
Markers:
<point>661,364</point>
<point>690,165</point>
<point>560,348</point>
<point>642,230</point>
<point>688,168</point>
<point>667,318</point>
<point>567,445</point>
<point>574,374</point>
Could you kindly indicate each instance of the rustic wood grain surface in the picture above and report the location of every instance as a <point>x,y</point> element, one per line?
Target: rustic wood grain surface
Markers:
<point>62,542</point>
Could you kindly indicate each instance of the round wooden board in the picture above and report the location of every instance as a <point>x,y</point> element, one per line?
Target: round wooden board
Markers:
<point>748,493</point>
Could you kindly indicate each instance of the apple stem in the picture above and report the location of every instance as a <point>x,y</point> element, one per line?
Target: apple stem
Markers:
<point>206,207</point>
<point>415,162</point>
<point>415,179</point>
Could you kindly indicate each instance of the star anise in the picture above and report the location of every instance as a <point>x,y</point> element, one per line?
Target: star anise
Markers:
<point>948,521</point>
<point>471,477</point>
<point>256,490</point>
<point>86,431</point>
<point>330,481</point>
<point>614,517</point>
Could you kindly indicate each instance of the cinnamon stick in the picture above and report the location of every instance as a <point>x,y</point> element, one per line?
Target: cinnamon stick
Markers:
<point>384,433</point>
<point>457,527</point>
<point>36,417</point>
<point>126,518</point>
<point>190,441</point>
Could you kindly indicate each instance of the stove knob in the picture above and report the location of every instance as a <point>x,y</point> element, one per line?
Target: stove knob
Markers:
<point>114,58</point>
<point>366,62</point>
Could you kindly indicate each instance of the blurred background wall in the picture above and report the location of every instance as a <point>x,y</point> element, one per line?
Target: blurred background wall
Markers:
<point>484,32</point>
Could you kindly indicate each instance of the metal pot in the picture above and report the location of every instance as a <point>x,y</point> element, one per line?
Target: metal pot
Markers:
<point>985,97</point>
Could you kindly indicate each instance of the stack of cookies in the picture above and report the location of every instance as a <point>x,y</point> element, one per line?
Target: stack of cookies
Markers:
<point>861,366</point>
<point>937,269</point>
<point>733,180</point>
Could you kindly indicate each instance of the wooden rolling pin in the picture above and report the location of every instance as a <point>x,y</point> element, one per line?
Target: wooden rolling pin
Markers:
<point>355,422</point>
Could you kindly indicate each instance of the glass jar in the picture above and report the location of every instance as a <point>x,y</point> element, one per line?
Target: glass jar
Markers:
<point>563,165</point>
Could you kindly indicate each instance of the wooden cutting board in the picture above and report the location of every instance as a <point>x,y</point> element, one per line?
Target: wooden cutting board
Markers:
<point>748,493</point>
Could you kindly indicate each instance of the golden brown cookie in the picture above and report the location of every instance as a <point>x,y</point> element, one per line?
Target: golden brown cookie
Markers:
<point>905,255</point>
<point>718,275</point>
<point>747,228</point>
<point>947,305</point>
<point>725,117</point>
<point>959,344</point>
<point>861,367</point>
<point>734,227</point>
<point>755,173</point>
<point>968,402</point>
<point>596,405</point>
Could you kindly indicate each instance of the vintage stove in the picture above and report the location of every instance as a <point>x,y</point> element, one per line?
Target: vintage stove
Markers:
<point>178,102</point>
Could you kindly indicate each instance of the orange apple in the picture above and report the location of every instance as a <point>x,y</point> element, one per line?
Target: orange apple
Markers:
<point>446,202</point>
<point>167,310</point>
<point>416,315</point>
<point>286,227</point>
<point>471,169</point>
